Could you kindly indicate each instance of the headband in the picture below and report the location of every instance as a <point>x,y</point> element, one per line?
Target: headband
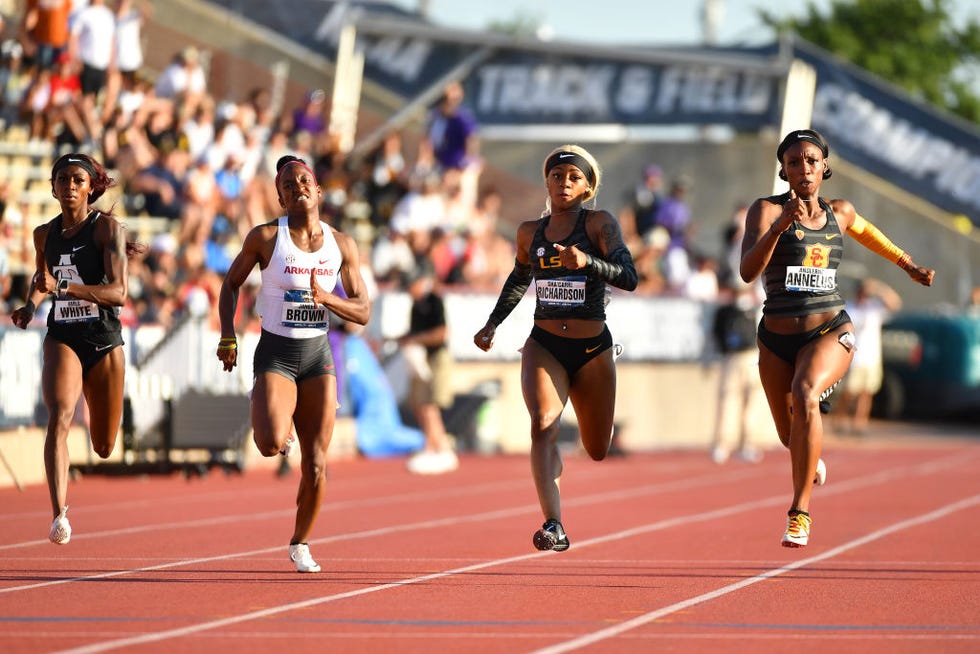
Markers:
<point>71,160</point>
<point>577,160</point>
<point>293,161</point>
<point>802,135</point>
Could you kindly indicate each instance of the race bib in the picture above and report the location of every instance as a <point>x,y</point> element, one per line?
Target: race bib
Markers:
<point>561,291</point>
<point>66,311</point>
<point>805,278</point>
<point>298,310</point>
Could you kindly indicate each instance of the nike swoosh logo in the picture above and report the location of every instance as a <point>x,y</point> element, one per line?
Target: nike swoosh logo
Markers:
<point>77,248</point>
<point>323,261</point>
<point>824,331</point>
<point>830,237</point>
<point>564,156</point>
<point>590,350</point>
<point>102,348</point>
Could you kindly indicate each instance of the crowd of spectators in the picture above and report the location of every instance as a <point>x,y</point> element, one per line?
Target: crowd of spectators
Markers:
<point>73,75</point>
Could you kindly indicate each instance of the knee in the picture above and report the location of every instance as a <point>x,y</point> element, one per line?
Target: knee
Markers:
<point>806,399</point>
<point>544,426</point>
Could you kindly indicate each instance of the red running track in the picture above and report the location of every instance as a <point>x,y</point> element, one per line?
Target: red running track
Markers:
<point>669,553</point>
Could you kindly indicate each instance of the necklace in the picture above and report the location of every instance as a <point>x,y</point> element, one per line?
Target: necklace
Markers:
<point>65,230</point>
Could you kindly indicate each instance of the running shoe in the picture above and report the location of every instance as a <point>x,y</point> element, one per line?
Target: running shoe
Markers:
<point>820,476</point>
<point>300,555</point>
<point>60,532</point>
<point>289,446</point>
<point>433,462</point>
<point>797,529</point>
<point>551,536</point>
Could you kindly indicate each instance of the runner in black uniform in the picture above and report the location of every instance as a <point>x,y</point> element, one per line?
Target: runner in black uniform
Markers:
<point>806,339</point>
<point>81,257</point>
<point>571,253</point>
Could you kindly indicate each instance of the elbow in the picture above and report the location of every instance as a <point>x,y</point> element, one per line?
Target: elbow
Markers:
<point>631,282</point>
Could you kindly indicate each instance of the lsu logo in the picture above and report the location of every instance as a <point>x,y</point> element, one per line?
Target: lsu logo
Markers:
<point>817,256</point>
<point>553,261</point>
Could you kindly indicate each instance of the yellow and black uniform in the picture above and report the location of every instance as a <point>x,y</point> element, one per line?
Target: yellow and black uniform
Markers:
<point>801,279</point>
<point>89,329</point>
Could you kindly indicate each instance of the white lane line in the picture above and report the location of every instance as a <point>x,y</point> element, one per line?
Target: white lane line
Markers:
<point>595,498</point>
<point>569,645</point>
<point>611,632</point>
<point>370,533</point>
<point>881,477</point>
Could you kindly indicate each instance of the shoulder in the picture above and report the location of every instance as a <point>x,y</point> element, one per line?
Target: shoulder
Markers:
<point>261,234</point>
<point>841,207</point>
<point>598,217</point>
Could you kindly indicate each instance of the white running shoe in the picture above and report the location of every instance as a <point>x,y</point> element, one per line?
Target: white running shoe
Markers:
<point>289,446</point>
<point>720,454</point>
<point>300,555</point>
<point>433,463</point>
<point>820,477</point>
<point>60,532</point>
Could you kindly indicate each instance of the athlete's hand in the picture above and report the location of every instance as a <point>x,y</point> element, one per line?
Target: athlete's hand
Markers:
<point>571,257</point>
<point>920,274</point>
<point>22,317</point>
<point>484,337</point>
<point>45,282</point>
<point>317,292</point>
<point>228,357</point>
<point>794,210</point>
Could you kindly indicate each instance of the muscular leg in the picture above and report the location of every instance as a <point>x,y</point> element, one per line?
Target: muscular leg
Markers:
<point>61,385</point>
<point>103,388</point>
<point>316,412</point>
<point>273,402</point>
<point>593,396</point>
<point>818,365</point>
<point>777,380</point>
<point>545,387</point>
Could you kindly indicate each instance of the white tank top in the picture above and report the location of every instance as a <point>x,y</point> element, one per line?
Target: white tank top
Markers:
<point>284,303</point>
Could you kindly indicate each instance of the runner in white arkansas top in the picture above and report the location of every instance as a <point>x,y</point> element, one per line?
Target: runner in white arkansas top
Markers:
<point>285,301</point>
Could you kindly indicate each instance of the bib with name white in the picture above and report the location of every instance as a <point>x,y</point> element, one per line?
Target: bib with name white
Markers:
<point>561,291</point>
<point>66,311</point>
<point>805,278</point>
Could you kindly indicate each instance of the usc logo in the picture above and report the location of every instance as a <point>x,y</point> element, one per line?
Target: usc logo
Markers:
<point>817,256</point>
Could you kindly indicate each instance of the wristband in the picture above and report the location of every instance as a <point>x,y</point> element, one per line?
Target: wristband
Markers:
<point>228,343</point>
<point>30,306</point>
<point>62,287</point>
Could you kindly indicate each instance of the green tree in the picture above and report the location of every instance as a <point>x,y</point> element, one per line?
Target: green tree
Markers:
<point>913,44</point>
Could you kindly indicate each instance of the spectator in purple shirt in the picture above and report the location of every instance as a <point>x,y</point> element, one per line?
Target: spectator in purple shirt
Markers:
<point>674,215</point>
<point>452,130</point>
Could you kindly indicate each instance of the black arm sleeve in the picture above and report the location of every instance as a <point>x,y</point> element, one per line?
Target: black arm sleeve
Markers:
<point>617,269</point>
<point>512,292</point>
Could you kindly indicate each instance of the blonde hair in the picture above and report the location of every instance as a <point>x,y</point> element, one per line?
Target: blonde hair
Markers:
<point>593,191</point>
